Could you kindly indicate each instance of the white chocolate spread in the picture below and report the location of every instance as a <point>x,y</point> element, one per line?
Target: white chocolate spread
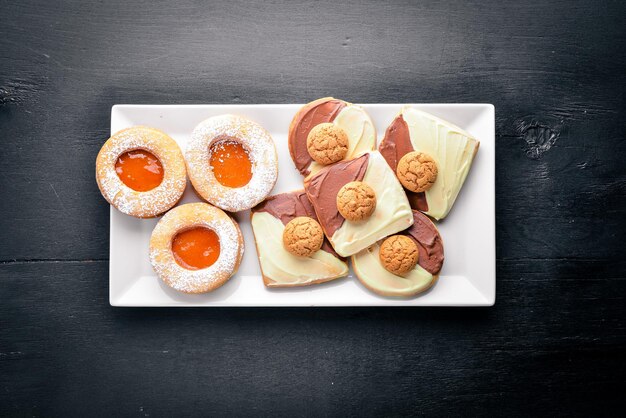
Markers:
<point>360,130</point>
<point>453,150</point>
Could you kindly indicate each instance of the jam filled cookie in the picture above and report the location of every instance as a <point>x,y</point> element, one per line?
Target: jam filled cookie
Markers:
<point>434,176</point>
<point>196,248</point>
<point>141,171</point>
<point>311,147</point>
<point>290,243</point>
<point>402,265</point>
<point>358,202</point>
<point>231,162</point>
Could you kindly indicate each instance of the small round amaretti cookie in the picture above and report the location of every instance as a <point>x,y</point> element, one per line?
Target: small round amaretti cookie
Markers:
<point>231,162</point>
<point>405,264</point>
<point>398,254</point>
<point>196,248</point>
<point>356,201</point>
<point>327,143</point>
<point>417,172</point>
<point>346,132</point>
<point>303,236</point>
<point>141,171</point>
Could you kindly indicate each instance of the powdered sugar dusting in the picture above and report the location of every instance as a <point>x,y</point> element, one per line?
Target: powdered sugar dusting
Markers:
<point>262,153</point>
<point>189,216</point>
<point>131,202</point>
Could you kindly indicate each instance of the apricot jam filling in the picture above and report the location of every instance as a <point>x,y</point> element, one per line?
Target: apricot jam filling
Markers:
<point>230,163</point>
<point>196,248</point>
<point>139,169</point>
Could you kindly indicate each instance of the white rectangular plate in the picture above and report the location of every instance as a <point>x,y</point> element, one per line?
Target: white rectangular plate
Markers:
<point>468,277</point>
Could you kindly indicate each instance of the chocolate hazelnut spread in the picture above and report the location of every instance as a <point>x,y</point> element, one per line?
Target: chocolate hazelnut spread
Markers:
<point>396,144</point>
<point>319,111</point>
<point>331,179</point>
<point>287,206</point>
<point>429,242</point>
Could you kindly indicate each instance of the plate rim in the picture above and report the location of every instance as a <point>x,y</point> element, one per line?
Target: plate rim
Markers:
<point>489,300</point>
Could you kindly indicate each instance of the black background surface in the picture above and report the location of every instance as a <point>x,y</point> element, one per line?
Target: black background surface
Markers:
<point>551,345</point>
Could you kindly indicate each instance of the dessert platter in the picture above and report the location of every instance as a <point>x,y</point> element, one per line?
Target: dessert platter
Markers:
<point>323,204</point>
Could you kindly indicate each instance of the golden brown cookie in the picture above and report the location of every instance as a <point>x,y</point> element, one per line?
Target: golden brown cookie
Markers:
<point>370,268</point>
<point>279,267</point>
<point>327,143</point>
<point>232,162</point>
<point>141,171</point>
<point>417,171</point>
<point>303,236</point>
<point>356,201</point>
<point>398,254</point>
<point>196,248</point>
<point>352,119</point>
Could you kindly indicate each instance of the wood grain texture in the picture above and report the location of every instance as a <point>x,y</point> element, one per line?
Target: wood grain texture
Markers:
<point>552,345</point>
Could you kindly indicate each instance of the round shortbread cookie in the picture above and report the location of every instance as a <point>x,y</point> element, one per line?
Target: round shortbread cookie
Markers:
<point>260,148</point>
<point>186,217</point>
<point>141,204</point>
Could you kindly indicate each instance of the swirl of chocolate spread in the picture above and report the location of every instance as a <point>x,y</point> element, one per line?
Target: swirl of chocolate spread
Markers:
<point>287,206</point>
<point>323,187</point>
<point>395,145</point>
<point>429,242</point>
<point>312,114</point>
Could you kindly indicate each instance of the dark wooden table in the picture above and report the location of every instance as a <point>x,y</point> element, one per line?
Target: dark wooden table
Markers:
<point>554,342</point>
